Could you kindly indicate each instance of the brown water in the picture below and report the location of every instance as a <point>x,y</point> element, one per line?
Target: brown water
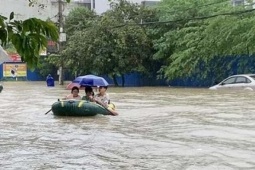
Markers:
<point>158,128</point>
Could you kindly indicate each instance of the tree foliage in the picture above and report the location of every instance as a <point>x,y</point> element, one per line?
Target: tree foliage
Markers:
<point>199,31</point>
<point>29,37</point>
<point>108,44</point>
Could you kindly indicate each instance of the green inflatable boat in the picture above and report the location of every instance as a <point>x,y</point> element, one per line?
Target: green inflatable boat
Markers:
<point>78,108</point>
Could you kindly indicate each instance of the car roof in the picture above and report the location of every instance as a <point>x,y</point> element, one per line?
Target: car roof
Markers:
<point>243,75</point>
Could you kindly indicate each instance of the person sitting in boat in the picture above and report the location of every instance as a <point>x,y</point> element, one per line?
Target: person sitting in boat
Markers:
<point>74,94</point>
<point>103,99</point>
<point>89,94</point>
<point>102,96</point>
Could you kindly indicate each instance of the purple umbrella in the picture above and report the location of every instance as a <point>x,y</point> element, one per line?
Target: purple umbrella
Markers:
<point>90,80</point>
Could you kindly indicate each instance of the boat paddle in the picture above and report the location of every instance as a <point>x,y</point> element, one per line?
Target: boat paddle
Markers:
<point>101,104</point>
<point>48,111</point>
<point>113,113</point>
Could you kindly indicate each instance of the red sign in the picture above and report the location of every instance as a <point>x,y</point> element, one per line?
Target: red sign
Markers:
<point>51,43</point>
<point>15,57</point>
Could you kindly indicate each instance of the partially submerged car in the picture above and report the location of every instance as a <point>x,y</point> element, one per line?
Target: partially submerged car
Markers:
<point>237,82</point>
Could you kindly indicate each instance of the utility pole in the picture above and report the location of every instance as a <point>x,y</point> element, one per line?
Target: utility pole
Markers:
<point>61,24</point>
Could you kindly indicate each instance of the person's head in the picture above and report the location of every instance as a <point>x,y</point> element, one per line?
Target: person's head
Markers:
<point>88,90</point>
<point>102,89</point>
<point>75,91</point>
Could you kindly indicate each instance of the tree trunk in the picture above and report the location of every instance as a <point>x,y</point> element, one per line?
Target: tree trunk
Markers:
<point>61,76</point>
<point>115,80</point>
<point>123,80</point>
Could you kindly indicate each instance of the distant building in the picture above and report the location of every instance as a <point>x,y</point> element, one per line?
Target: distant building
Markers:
<point>149,3</point>
<point>4,57</point>
<point>237,2</point>
<point>48,9</point>
<point>246,3</point>
<point>43,9</point>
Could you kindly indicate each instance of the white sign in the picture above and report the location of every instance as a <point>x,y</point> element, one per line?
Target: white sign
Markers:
<point>62,37</point>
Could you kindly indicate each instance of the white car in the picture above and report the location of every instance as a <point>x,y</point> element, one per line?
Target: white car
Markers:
<point>237,82</point>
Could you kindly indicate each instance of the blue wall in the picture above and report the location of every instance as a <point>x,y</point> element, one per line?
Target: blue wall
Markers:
<point>31,75</point>
<point>34,76</point>
<point>216,70</point>
<point>136,80</point>
<point>206,75</point>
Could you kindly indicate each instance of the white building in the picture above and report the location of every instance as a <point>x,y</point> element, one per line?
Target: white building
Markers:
<point>44,9</point>
<point>3,56</point>
<point>103,5</point>
<point>48,9</point>
<point>243,2</point>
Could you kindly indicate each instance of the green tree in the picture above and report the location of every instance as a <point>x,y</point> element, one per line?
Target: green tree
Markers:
<point>79,24</point>
<point>114,43</point>
<point>29,37</point>
<point>199,31</point>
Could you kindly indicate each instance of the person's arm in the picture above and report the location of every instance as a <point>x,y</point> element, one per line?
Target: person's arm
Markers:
<point>107,98</point>
<point>98,102</point>
<point>78,97</point>
<point>67,97</point>
<point>105,105</point>
<point>113,113</point>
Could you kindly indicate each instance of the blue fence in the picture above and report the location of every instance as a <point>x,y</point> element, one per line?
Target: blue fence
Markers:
<point>216,70</point>
<point>137,80</point>
<point>207,74</point>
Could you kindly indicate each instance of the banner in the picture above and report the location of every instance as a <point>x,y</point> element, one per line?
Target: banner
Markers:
<point>15,70</point>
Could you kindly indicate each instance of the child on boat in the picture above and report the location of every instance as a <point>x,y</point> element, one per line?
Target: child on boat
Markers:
<point>103,99</point>
<point>89,94</point>
<point>102,96</point>
<point>74,94</point>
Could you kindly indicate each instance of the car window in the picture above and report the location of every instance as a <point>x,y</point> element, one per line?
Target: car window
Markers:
<point>253,77</point>
<point>229,80</point>
<point>242,79</point>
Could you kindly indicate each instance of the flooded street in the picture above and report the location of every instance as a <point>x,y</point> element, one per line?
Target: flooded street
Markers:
<point>158,128</point>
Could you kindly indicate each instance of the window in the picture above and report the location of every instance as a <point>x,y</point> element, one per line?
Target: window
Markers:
<point>149,3</point>
<point>229,80</point>
<point>242,79</point>
<point>253,77</point>
<point>237,2</point>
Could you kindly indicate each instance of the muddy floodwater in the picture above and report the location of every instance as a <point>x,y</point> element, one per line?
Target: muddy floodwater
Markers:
<point>158,128</point>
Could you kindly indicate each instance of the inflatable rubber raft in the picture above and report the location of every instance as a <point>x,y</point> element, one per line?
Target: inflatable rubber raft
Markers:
<point>78,108</point>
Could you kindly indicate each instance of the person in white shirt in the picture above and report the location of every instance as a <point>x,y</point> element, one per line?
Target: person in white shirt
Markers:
<point>103,99</point>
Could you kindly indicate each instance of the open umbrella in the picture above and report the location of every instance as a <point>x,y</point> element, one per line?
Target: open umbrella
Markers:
<point>88,80</point>
<point>91,80</point>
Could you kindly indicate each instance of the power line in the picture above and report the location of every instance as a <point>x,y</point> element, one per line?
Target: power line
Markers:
<point>200,6</point>
<point>188,19</point>
<point>202,18</point>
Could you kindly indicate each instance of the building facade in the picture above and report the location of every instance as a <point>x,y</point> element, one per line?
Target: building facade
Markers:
<point>247,3</point>
<point>43,9</point>
<point>48,9</point>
